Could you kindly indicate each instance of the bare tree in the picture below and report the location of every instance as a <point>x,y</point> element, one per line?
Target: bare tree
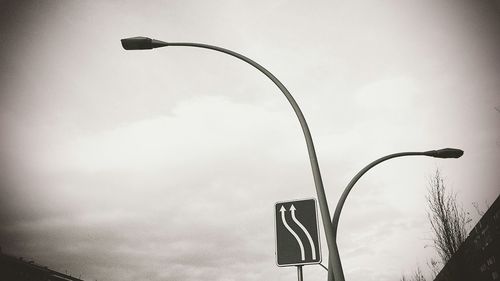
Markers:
<point>448,220</point>
<point>416,276</point>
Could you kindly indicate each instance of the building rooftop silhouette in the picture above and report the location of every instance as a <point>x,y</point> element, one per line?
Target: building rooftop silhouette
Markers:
<point>478,258</point>
<point>20,269</point>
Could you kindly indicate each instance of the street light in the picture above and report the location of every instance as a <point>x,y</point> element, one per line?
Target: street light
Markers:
<point>335,269</point>
<point>144,43</point>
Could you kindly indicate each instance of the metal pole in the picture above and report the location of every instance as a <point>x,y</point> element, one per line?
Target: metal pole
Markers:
<point>335,270</point>
<point>299,273</point>
<point>320,191</point>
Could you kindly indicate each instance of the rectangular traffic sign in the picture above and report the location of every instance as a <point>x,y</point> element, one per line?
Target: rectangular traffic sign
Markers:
<point>297,233</point>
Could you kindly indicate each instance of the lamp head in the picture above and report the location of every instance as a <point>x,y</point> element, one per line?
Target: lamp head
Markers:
<point>446,153</point>
<point>142,43</point>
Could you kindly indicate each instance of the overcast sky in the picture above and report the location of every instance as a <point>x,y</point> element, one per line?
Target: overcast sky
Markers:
<point>166,164</point>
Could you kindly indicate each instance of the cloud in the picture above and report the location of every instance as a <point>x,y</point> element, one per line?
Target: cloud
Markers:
<point>155,193</point>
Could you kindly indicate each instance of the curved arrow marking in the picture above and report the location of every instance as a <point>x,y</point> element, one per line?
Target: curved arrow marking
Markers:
<point>282,211</point>
<point>313,248</point>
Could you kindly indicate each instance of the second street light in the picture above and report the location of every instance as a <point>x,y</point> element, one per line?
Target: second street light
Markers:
<point>335,269</point>
<point>144,43</point>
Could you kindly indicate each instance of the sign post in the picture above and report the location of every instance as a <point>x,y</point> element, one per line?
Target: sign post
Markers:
<point>297,234</point>
<point>299,273</point>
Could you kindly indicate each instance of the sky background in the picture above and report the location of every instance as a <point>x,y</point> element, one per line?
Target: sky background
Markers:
<point>166,164</point>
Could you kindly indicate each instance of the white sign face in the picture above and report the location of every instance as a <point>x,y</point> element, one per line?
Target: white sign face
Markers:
<point>297,233</point>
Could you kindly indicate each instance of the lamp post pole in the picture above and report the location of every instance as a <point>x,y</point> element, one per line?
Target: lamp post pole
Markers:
<point>335,269</point>
<point>144,43</point>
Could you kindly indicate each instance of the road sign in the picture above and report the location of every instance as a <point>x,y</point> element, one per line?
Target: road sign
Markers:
<point>297,233</point>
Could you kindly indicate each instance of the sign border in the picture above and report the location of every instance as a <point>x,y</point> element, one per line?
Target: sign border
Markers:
<point>276,235</point>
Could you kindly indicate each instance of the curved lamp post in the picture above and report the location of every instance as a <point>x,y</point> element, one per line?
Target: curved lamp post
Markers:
<point>144,43</point>
<point>336,267</point>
